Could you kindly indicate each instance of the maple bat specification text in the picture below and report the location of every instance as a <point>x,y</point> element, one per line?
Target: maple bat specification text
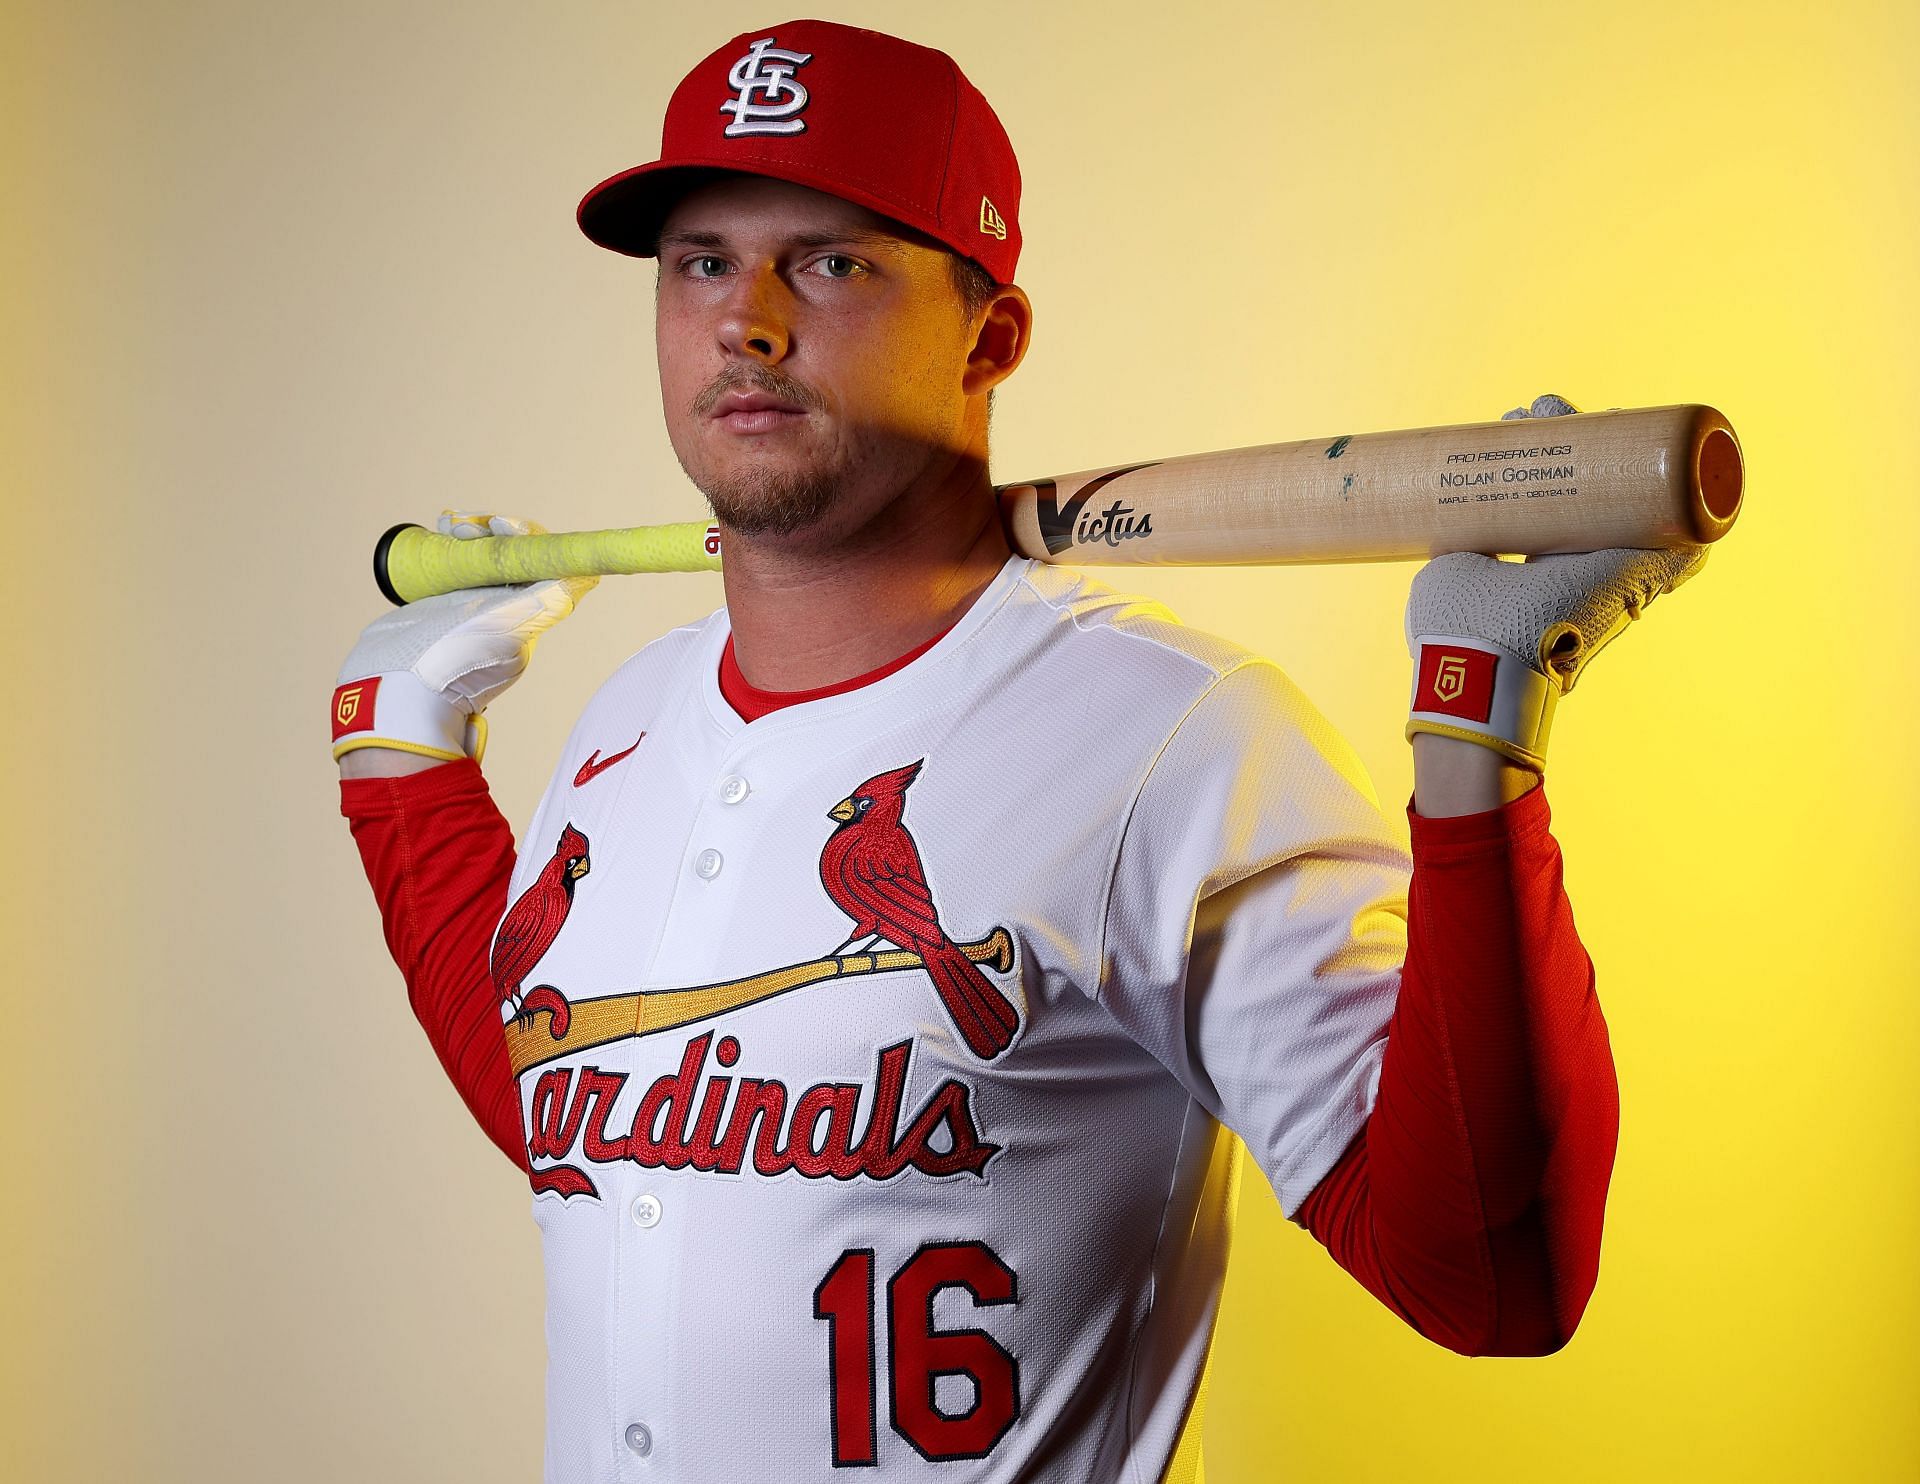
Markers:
<point>1510,481</point>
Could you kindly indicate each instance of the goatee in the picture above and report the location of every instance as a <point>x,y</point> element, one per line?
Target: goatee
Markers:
<point>771,502</point>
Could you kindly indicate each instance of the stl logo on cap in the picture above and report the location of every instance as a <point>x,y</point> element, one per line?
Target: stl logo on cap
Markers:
<point>766,70</point>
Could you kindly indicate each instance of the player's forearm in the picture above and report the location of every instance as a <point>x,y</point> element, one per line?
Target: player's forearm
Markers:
<point>1452,777</point>
<point>385,762</point>
<point>439,857</point>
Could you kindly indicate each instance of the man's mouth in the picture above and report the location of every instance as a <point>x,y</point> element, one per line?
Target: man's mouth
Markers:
<point>755,412</point>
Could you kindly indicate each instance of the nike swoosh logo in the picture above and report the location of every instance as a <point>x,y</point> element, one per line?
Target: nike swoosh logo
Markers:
<point>596,765</point>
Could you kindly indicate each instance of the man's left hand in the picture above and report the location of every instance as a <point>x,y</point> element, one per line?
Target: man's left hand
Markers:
<point>1495,643</point>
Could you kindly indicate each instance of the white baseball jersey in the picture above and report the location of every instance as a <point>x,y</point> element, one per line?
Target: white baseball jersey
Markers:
<point>875,1055</point>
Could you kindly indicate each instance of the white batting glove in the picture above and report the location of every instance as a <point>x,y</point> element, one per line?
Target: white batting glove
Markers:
<point>1495,644</point>
<point>421,676</point>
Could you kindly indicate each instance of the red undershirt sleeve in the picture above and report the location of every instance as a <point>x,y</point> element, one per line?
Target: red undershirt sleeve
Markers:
<point>1471,1203</point>
<point>439,857</point>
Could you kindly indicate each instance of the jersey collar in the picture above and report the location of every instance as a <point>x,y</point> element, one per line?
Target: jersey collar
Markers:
<point>878,687</point>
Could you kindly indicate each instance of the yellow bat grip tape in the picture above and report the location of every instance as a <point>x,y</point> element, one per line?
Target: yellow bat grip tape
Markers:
<point>412,563</point>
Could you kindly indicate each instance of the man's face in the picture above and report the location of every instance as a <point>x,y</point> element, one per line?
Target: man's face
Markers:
<point>811,356</point>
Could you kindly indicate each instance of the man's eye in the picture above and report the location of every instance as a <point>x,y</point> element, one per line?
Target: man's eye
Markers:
<point>706,267</point>
<point>839,265</point>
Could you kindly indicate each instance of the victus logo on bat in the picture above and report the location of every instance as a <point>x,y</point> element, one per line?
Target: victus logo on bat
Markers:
<point>1113,525</point>
<point>870,868</point>
<point>1067,523</point>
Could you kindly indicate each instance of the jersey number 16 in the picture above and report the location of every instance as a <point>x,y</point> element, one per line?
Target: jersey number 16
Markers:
<point>918,1353</point>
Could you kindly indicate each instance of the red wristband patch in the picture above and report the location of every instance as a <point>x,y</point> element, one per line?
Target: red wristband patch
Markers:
<point>1455,682</point>
<point>353,707</point>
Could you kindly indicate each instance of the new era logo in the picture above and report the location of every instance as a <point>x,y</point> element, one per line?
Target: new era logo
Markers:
<point>991,222</point>
<point>1455,682</point>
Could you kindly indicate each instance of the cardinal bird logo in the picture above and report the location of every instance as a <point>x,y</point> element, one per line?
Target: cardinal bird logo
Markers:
<point>871,868</point>
<point>529,929</point>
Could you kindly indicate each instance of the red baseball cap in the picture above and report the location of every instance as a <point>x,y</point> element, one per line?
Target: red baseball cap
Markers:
<point>865,116</point>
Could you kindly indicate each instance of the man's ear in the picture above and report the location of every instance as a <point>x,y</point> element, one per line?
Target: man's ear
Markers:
<point>1000,342</point>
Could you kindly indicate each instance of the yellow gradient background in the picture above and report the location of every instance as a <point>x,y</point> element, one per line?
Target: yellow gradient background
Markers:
<point>276,275</point>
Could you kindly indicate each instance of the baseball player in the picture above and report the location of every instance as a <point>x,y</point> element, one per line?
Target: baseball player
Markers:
<point>895,953</point>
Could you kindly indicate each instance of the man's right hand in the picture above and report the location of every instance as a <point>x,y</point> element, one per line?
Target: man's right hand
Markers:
<point>412,691</point>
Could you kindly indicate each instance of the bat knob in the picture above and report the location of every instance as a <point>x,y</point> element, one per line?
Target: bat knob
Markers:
<point>380,550</point>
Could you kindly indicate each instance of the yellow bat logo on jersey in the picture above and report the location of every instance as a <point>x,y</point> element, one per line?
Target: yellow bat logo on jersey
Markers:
<point>552,1026</point>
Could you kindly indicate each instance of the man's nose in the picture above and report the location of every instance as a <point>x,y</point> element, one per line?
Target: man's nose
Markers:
<point>757,321</point>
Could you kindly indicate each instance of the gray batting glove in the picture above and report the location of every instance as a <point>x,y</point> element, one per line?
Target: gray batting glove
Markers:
<point>421,675</point>
<point>1495,644</point>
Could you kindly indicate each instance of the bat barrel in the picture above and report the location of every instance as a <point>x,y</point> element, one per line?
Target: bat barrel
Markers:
<point>1640,477</point>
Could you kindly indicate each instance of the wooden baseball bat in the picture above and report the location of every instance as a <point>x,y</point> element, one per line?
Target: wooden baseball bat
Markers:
<point>1645,477</point>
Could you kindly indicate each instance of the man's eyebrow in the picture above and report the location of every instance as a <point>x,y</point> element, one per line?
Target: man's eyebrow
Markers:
<point>853,237</point>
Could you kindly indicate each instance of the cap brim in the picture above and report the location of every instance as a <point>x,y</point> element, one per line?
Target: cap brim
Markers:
<point>625,212</point>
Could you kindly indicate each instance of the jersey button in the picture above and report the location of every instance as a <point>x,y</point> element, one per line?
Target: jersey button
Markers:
<point>639,1439</point>
<point>647,1211</point>
<point>707,864</point>
<point>733,789</point>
